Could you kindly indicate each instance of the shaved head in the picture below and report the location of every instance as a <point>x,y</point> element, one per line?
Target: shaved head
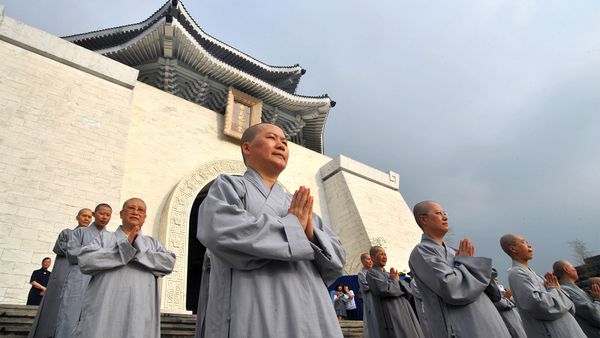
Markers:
<point>131,200</point>
<point>83,210</point>
<point>249,135</point>
<point>374,249</point>
<point>507,241</point>
<point>102,205</point>
<point>364,256</point>
<point>558,268</point>
<point>422,208</point>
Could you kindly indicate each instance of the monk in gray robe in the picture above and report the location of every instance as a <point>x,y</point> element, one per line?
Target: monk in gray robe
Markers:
<point>75,281</point>
<point>123,297</point>
<point>545,309</point>
<point>587,307</point>
<point>394,316</point>
<point>369,331</point>
<point>271,256</point>
<point>451,284</point>
<point>44,323</point>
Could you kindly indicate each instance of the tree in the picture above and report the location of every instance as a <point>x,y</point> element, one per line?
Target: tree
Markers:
<point>580,250</point>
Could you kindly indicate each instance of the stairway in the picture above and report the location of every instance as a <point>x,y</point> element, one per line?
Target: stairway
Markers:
<point>16,320</point>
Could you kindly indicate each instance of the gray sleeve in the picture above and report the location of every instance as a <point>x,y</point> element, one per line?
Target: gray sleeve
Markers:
<point>329,254</point>
<point>543,304</point>
<point>60,246</point>
<point>459,284</point>
<point>74,246</point>
<point>101,255</point>
<point>243,241</point>
<point>381,286</point>
<point>585,306</point>
<point>152,255</point>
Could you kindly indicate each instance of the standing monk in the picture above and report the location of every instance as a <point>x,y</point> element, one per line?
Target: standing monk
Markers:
<point>587,307</point>
<point>123,298</point>
<point>545,309</point>
<point>393,314</point>
<point>271,257</point>
<point>45,320</point>
<point>75,281</point>
<point>369,331</point>
<point>451,284</point>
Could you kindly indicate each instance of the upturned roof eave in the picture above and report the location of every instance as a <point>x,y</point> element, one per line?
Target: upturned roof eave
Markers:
<point>268,92</point>
<point>164,11</point>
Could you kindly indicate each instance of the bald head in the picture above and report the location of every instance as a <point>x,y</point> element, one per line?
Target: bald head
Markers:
<point>133,199</point>
<point>374,249</point>
<point>507,241</point>
<point>249,135</point>
<point>421,209</point>
<point>559,268</point>
<point>81,211</point>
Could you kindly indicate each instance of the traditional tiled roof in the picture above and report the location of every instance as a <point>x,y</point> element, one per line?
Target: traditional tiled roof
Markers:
<point>176,55</point>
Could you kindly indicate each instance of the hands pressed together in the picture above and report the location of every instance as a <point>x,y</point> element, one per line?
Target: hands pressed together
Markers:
<point>595,291</point>
<point>302,207</point>
<point>133,235</point>
<point>465,248</point>
<point>551,281</point>
<point>394,274</point>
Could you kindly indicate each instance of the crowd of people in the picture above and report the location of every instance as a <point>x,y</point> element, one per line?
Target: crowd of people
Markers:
<point>104,284</point>
<point>453,293</point>
<point>269,259</point>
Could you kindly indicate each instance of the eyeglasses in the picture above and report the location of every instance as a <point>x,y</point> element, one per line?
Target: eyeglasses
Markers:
<point>132,209</point>
<point>439,213</point>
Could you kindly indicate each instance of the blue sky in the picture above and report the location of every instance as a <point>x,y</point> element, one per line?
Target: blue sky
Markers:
<point>490,107</point>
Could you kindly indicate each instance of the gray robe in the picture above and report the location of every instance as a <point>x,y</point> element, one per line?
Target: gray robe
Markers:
<point>369,331</point>
<point>544,312</point>
<point>266,278</point>
<point>509,314</point>
<point>394,315</point>
<point>45,319</point>
<point>75,282</point>
<point>123,297</point>
<point>587,310</point>
<point>452,292</point>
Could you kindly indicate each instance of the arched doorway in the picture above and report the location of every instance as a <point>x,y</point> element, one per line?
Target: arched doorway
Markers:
<point>174,230</point>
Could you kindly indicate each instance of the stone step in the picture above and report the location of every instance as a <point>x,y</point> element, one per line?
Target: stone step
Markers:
<point>16,320</point>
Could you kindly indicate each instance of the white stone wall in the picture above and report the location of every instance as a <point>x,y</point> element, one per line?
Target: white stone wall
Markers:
<point>366,209</point>
<point>169,137</point>
<point>62,136</point>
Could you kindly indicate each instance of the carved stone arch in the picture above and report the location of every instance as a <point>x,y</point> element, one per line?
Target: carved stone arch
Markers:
<point>174,227</point>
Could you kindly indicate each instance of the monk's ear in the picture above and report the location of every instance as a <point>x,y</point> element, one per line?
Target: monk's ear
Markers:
<point>245,148</point>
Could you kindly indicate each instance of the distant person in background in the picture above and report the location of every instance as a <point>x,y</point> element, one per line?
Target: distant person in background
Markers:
<point>350,303</point>
<point>545,309</point>
<point>587,307</point>
<point>44,323</point>
<point>339,302</point>
<point>393,313</point>
<point>369,331</point>
<point>39,280</point>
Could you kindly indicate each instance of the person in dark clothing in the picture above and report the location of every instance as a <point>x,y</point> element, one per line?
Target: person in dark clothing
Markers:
<point>39,281</point>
